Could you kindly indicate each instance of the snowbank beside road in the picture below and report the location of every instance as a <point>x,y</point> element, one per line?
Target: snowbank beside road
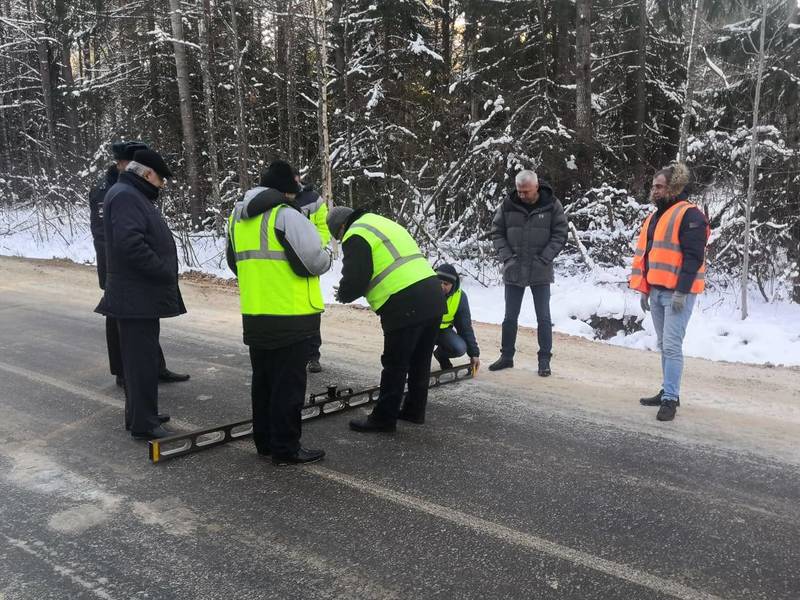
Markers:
<point>771,335</point>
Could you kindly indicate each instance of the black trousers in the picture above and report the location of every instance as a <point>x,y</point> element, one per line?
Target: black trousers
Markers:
<point>315,355</point>
<point>278,392</point>
<point>406,354</point>
<point>114,352</point>
<point>544,326</point>
<point>139,350</point>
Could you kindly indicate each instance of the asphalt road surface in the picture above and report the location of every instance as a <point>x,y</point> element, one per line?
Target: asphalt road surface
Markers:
<point>503,493</point>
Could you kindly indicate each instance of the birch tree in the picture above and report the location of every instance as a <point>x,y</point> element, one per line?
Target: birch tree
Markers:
<point>187,118</point>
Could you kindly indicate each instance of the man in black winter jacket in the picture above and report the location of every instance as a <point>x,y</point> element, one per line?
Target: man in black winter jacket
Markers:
<point>123,153</point>
<point>528,231</point>
<point>410,319</point>
<point>141,284</point>
<point>456,335</point>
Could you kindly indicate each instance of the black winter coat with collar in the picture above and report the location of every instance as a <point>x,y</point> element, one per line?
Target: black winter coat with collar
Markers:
<point>142,277</point>
<point>527,238</point>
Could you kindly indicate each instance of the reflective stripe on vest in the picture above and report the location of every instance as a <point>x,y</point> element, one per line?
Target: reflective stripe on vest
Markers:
<point>665,257</point>
<point>267,283</point>
<point>452,307</point>
<point>397,262</point>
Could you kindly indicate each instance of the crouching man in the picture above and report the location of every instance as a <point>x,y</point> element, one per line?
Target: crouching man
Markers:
<point>456,336</point>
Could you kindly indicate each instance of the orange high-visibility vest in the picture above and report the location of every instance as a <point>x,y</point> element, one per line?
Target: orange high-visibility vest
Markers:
<point>665,258</point>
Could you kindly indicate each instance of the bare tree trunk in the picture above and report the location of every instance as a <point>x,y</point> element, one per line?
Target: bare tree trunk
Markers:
<point>241,129</point>
<point>337,33</point>
<point>563,62</point>
<point>280,68</point>
<point>187,120</point>
<point>152,72</point>
<point>753,158</point>
<point>5,75</point>
<point>470,33</point>
<point>583,89</point>
<point>689,98</point>
<point>70,106</point>
<point>641,97</point>
<point>321,31</point>
<point>291,116</point>
<point>544,70</point>
<point>447,43</point>
<point>208,99</point>
<point>45,77</point>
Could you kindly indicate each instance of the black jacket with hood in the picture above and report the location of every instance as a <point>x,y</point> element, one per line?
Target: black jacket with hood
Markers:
<point>420,302</point>
<point>306,257</point>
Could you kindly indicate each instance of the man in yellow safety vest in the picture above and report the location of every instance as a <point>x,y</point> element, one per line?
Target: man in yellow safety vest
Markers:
<point>382,262</point>
<point>278,257</point>
<point>456,335</point>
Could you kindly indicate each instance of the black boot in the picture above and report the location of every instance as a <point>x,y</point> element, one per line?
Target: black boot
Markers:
<point>120,381</point>
<point>411,418</point>
<point>667,410</point>
<point>302,456</point>
<point>544,367</point>
<point>502,363</point>
<point>444,362</point>
<point>655,400</point>
<point>314,366</point>
<point>154,434</point>
<point>369,426</point>
<point>167,376</point>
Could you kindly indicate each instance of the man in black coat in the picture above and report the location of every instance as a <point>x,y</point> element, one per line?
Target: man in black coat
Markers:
<point>141,284</point>
<point>529,230</point>
<point>123,153</point>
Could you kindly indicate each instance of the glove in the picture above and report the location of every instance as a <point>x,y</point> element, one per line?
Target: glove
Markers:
<point>678,301</point>
<point>644,302</point>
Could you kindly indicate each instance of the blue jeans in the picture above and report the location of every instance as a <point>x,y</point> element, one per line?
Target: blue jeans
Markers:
<point>544,326</point>
<point>670,329</point>
<point>450,344</point>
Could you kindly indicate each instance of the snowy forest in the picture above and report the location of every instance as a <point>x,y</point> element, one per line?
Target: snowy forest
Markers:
<point>422,110</point>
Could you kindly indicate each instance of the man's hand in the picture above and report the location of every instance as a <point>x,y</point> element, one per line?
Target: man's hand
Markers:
<point>336,293</point>
<point>475,364</point>
<point>678,301</point>
<point>644,302</point>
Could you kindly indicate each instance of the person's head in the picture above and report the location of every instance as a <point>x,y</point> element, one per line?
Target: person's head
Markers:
<point>448,277</point>
<point>280,175</point>
<point>149,165</point>
<point>123,152</point>
<point>527,184</point>
<point>669,182</point>
<point>337,220</point>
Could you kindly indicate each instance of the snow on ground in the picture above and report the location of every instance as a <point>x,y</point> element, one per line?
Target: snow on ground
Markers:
<point>770,335</point>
